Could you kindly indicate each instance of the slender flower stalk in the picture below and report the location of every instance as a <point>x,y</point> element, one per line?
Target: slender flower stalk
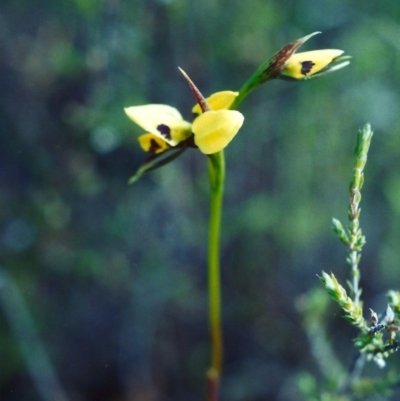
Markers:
<point>216,169</point>
<point>213,130</point>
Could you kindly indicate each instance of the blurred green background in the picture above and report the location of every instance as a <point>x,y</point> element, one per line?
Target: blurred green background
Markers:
<point>103,285</point>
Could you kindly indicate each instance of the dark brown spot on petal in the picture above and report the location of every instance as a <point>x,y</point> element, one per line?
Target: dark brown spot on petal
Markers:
<point>306,67</point>
<point>154,146</point>
<point>165,131</point>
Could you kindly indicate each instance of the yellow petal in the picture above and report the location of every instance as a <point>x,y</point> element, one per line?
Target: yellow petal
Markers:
<point>213,130</point>
<point>152,143</point>
<point>162,121</point>
<point>303,65</point>
<point>218,101</point>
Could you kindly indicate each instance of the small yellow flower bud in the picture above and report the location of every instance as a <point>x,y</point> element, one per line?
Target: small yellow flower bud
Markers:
<point>304,65</point>
<point>213,130</point>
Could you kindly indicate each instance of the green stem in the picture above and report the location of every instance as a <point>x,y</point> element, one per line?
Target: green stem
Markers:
<point>248,87</point>
<point>216,169</point>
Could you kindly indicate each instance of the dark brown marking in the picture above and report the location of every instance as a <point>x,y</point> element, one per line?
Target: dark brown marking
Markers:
<point>165,131</point>
<point>154,146</point>
<point>306,67</point>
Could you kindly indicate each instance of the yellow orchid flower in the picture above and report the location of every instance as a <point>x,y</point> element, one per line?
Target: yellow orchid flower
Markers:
<point>212,129</point>
<point>307,64</point>
<point>166,127</point>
